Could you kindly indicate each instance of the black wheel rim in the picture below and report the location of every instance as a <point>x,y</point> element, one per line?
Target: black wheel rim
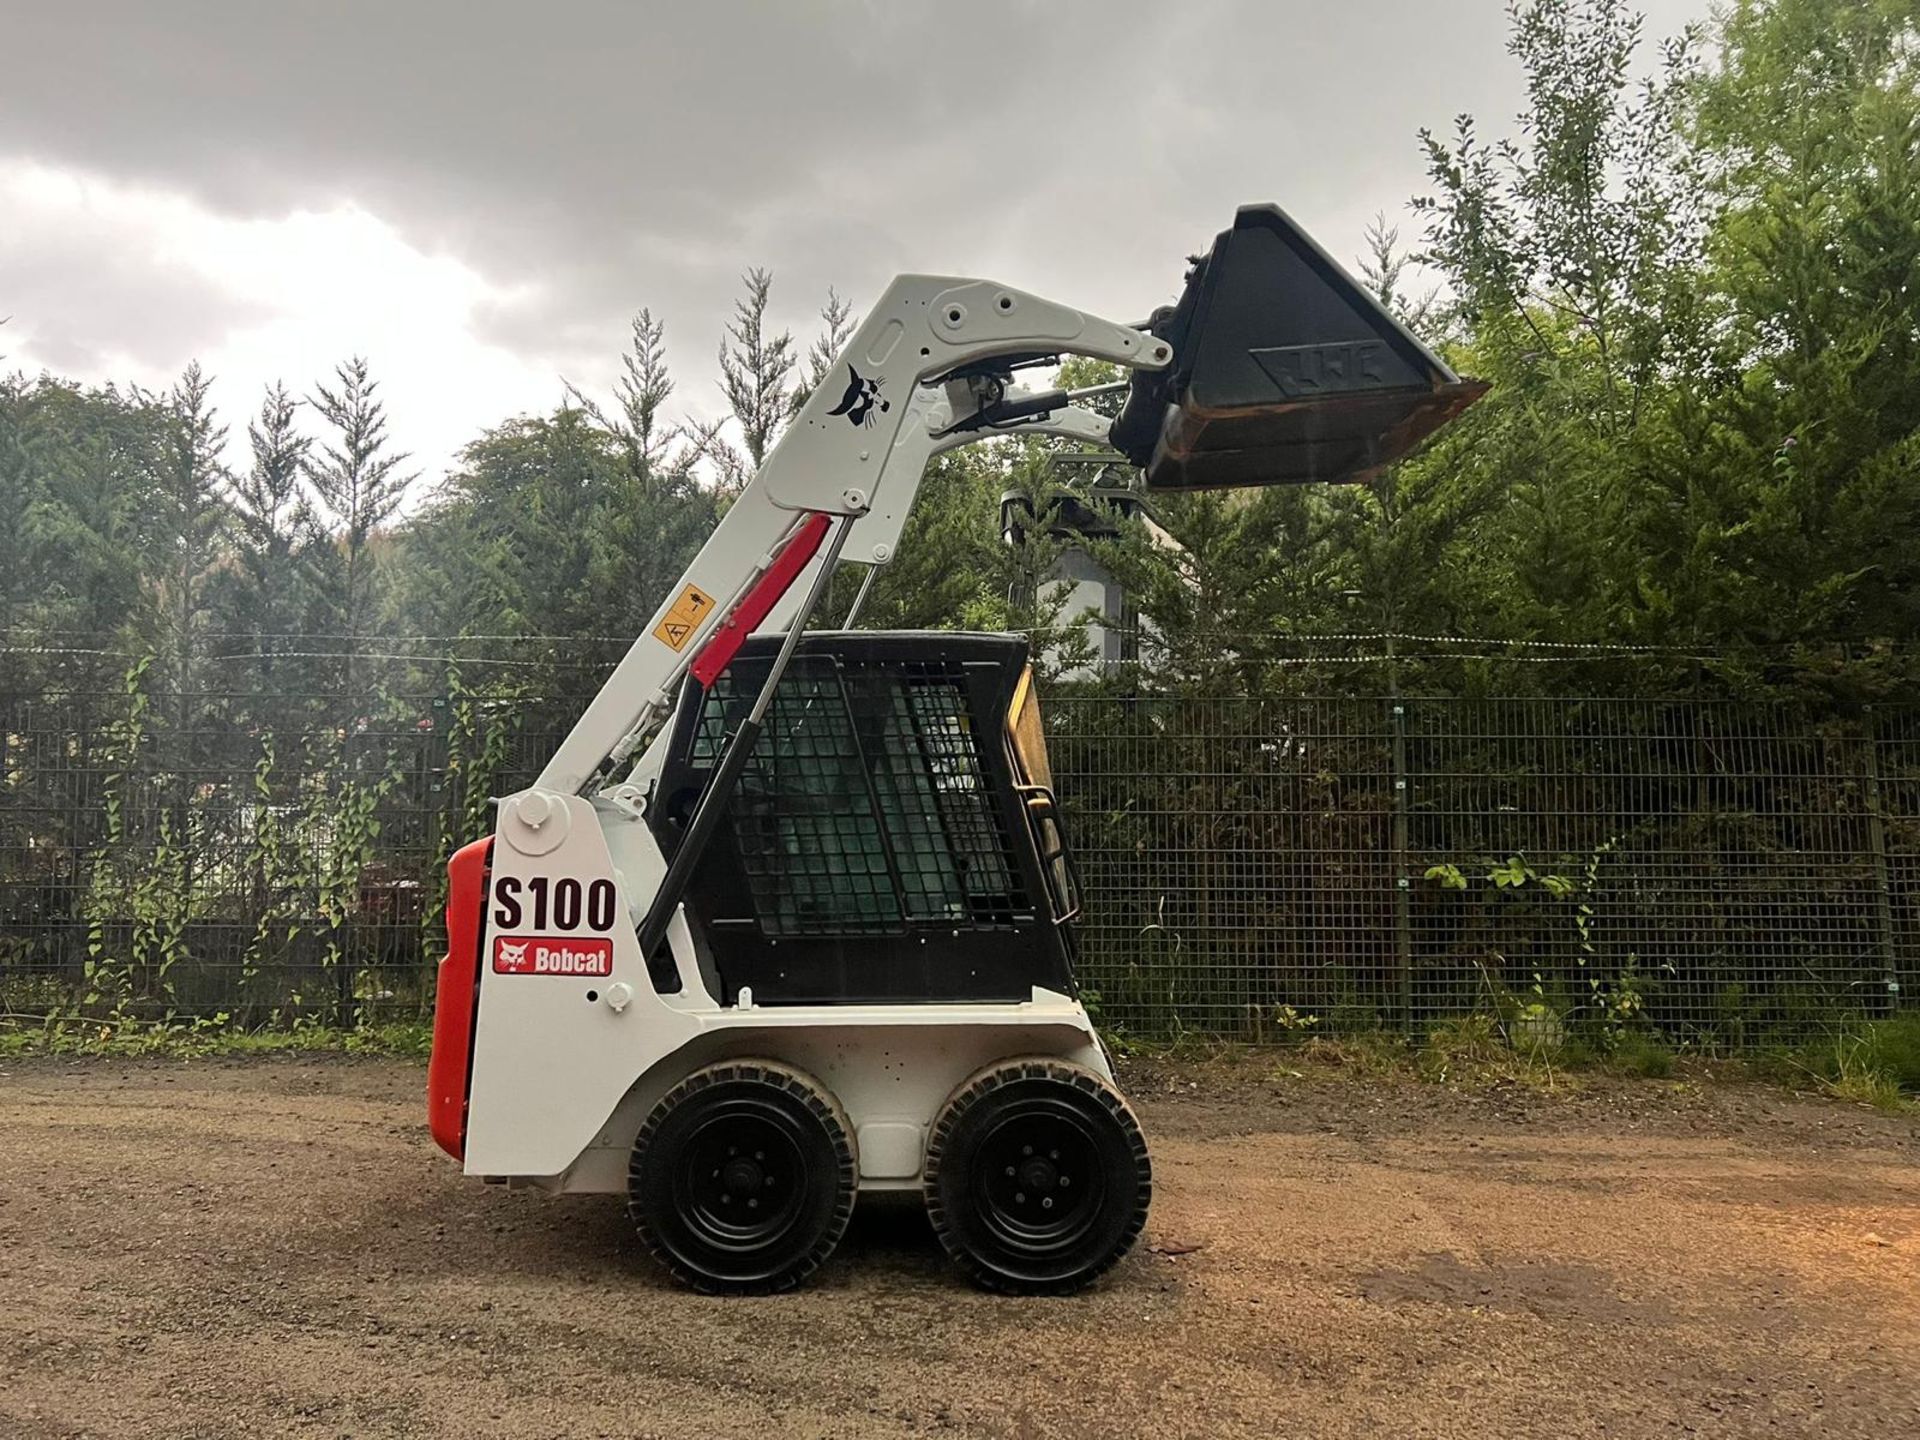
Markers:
<point>744,1176</point>
<point>1038,1181</point>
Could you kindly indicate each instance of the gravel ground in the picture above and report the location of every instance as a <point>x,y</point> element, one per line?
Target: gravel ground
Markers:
<point>273,1247</point>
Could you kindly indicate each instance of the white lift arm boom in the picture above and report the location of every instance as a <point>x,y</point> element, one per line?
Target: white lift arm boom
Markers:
<point>902,391</point>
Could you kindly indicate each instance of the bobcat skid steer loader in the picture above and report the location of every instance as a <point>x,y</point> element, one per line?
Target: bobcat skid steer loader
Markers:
<point>789,916</point>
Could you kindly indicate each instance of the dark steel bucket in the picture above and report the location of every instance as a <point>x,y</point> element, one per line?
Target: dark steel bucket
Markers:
<point>1285,372</point>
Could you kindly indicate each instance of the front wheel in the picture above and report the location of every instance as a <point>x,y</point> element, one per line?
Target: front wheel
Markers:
<point>1037,1179</point>
<point>742,1179</point>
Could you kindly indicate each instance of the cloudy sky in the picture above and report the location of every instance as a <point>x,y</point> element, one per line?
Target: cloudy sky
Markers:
<point>477,195</point>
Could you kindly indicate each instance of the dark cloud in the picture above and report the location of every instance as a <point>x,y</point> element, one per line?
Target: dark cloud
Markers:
<point>604,154</point>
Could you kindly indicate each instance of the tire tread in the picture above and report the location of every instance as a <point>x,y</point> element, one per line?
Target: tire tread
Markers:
<point>819,1101</point>
<point>986,1082</point>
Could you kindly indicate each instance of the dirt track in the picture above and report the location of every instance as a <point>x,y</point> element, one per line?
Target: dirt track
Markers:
<point>273,1248</point>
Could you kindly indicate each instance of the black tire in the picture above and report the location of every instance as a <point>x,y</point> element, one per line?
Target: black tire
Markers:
<point>742,1179</point>
<point>1037,1178</point>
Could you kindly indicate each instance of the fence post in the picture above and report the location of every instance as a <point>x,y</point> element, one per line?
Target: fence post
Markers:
<point>1877,844</point>
<point>1402,882</point>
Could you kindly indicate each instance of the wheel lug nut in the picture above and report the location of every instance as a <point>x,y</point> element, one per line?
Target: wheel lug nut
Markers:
<point>1021,1198</point>
<point>1026,1149</point>
<point>768,1182</point>
<point>1053,1154</point>
<point>1065,1180</point>
<point>753,1204</point>
<point>1009,1172</point>
<point>1046,1203</point>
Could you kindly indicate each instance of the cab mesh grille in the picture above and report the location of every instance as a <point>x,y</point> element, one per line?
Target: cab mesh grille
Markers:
<point>864,807</point>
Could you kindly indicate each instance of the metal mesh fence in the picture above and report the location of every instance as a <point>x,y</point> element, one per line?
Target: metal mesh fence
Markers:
<point>1724,872</point>
<point>1252,865</point>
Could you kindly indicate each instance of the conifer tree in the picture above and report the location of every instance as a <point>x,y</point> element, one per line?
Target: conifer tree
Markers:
<point>837,322</point>
<point>756,376</point>
<point>190,516</point>
<point>266,598</point>
<point>359,482</point>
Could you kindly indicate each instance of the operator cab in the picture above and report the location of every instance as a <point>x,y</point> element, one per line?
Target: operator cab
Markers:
<point>893,836</point>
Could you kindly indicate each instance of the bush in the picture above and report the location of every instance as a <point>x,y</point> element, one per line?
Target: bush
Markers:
<point>1892,1050</point>
<point>1636,1053</point>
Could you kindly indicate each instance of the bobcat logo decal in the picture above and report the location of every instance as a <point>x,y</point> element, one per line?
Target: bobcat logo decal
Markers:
<point>561,955</point>
<point>861,398</point>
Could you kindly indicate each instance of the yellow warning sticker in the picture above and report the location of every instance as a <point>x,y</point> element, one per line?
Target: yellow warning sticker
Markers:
<point>684,618</point>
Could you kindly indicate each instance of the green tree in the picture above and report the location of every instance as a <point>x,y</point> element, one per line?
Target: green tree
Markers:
<point>1571,257</point>
<point>359,482</point>
<point>518,529</point>
<point>187,525</point>
<point>837,324</point>
<point>79,469</point>
<point>658,512</point>
<point>1796,469</point>
<point>756,376</point>
<point>264,599</point>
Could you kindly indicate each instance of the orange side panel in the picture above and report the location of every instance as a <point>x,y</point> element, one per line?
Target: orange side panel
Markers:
<point>457,1000</point>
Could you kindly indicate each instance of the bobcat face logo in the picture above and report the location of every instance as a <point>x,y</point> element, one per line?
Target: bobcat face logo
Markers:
<point>861,398</point>
<point>512,954</point>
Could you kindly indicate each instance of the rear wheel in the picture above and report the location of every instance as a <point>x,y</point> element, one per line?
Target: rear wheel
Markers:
<point>742,1179</point>
<point>1037,1179</point>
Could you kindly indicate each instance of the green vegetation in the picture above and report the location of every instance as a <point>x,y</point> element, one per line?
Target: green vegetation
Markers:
<point>208,1036</point>
<point>1862,1062</point>
<point>1872,1062</point>
<point>1875,1063</point>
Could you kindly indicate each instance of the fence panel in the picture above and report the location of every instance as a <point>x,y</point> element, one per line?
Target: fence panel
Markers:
<point>1705,865</point>
<point>1237,860</point>
<point>1253,865</point>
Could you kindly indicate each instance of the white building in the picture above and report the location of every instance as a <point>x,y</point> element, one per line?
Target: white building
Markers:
<point>1075,518</point>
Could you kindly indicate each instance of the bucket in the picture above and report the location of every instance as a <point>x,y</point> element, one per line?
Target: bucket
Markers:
<point>1285,372</point>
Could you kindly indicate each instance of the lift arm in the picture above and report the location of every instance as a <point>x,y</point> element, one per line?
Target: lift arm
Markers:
<point>905,388</point>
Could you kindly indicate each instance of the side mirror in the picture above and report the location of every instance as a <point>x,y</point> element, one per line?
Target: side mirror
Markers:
<point>1285,372</point>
